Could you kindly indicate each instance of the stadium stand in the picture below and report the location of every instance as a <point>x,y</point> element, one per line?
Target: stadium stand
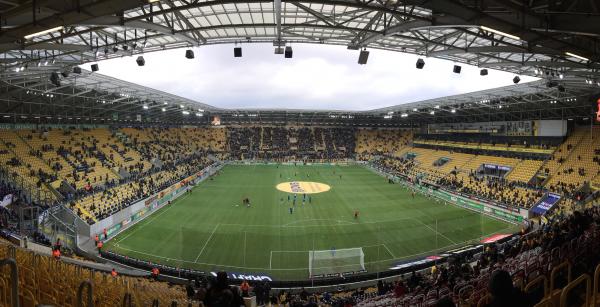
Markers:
<point>105,168</point>
<point>578,166</point>
<point>383,141</point>
<point>46,280</point>
<point>284,143</point>
<point>524,171</point>
<point>25,164</point>
<point>120,166</point>
<point>460,173</point>
<point>100,162</point>
<point>104,202</point>
<point>542,267</point>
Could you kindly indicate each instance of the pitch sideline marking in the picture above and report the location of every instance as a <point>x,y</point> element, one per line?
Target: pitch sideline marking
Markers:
<point>206,243</point>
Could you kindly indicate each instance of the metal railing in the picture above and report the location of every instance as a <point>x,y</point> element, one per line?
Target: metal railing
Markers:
<point>90,294</point>
<point>14,280</point>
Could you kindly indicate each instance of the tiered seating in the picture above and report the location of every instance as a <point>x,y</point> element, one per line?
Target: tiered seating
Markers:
<point>484,142</point>
<point>90,159</point>
<point>546,268</point>
<point>319,139</point>
<point>119,155</point>
<point>457,161</point>
<point>496,190</point>
<point>281,143</point>
<point>85,156</point>
<point>244,142</point>
<point>104,203</point>
<point>47,143</point>
<point>26,153</point>
<point>381,140</point>
<point>524,171</point>
<point>580,166</point>
<point>425,159</point>
<point>211,139</point>
<point>83,164</point>
<point>174,143</point>
<point>307,140</point>
<point>459,174</point>
<point>563,151</point>
<point>43,280</point>
<point>17,159</point>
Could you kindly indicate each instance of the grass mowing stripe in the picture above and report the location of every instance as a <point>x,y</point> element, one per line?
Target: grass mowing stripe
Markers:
<point>146,222</point>
<point>447,247</point>
<point>241,239</point>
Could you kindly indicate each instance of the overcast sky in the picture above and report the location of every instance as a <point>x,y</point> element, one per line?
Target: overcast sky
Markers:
<point>317,77</point>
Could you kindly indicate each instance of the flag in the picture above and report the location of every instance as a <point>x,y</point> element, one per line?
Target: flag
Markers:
<point>7,200</point>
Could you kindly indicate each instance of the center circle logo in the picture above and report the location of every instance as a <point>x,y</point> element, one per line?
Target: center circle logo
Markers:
<point>303,187</point>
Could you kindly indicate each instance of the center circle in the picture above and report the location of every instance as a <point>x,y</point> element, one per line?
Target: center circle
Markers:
<point>303,187</point>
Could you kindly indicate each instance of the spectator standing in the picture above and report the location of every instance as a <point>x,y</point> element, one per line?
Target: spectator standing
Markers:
<point>245,287</point>
<point>155,273</point>
<point>220,294</point>
<point>504,293</point>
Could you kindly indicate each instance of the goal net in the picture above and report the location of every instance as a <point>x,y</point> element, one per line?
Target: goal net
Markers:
<point>335,261</point>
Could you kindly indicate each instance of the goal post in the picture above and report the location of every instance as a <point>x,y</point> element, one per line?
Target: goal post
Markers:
<point>335,261</point>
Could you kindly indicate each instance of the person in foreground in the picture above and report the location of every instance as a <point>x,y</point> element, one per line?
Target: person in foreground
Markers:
<point>504,293</point>
<point>220,294</point>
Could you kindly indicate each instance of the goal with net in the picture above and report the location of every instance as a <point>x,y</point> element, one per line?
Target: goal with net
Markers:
<point>335,261</point>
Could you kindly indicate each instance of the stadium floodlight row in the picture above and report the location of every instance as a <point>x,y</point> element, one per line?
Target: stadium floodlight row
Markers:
<point>92,98</point>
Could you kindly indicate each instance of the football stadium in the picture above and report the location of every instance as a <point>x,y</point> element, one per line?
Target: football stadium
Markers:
<point>453,160</point>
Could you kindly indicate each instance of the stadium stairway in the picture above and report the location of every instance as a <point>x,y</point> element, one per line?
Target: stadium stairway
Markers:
<point>262,133</point>
<point>319,141</point>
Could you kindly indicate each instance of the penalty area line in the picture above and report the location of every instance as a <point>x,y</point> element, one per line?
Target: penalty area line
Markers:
<point>206,243</point>
<point>437,232</point>
<point>389,251</point>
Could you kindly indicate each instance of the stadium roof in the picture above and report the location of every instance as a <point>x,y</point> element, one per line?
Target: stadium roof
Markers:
<point>547,39</point>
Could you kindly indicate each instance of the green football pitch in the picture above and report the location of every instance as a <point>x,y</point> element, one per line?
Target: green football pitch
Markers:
<point>209,229</point>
